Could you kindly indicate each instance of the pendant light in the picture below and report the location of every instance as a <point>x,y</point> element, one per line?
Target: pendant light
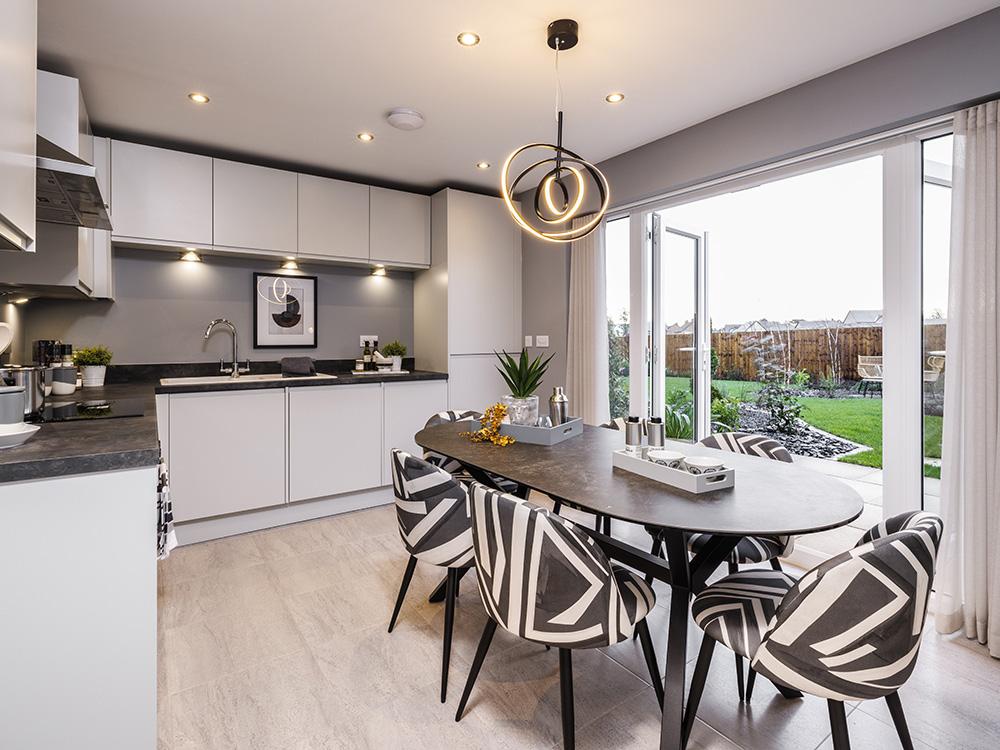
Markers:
<point>563,175</point>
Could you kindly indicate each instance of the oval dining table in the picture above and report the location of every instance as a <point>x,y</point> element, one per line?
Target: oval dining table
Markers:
<point>768,498</point>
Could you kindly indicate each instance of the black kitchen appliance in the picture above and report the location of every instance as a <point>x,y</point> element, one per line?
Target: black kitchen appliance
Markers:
<point>72,411</point>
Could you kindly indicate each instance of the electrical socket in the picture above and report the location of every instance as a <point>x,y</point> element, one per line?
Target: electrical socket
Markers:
<point>542,341</point>
<point>527,341</point>
<point>366,337</point>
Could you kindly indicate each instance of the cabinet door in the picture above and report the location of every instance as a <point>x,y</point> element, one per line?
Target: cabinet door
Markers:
<point>484,253</point>
<point>473,381</point>
<point>400,227</point>
<point>333,218</point>
<point>334,439</point>
<point>408,406</point>
<point>255,207</point>
<point>18,35</point>
<point>227,452</point>
<point>159,194</point>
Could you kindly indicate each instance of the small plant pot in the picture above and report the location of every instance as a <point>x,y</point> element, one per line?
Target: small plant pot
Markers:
<point>397,363</point>
<point>93,375</point>
<point>522,411</point>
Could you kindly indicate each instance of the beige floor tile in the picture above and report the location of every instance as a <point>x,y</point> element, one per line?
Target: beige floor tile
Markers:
<point>229,591</point>
<point>348,606</point>
<point>870,516</point>
<point>870,493</point>
<point>831,542</point>
<point>361,524</point>
<point>289,541</point>
<point>209,558</point>
<point>306,572</point>
<point>197,654</point>
<point>868,733</point>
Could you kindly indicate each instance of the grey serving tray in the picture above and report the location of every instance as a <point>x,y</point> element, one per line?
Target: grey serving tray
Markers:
<point>541,435</point>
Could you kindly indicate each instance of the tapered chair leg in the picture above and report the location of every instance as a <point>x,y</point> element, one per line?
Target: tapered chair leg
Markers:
<point>775,563</point>
<point>642,628</point>
<point>449,621</point>
<point>407,575</point>
<point>750,681</point>
<point>698,683</point>
<point>557,506</point>
<point>477,664</point>
<point>607,525</point>
<point>896,710</point>
<point>739,678</point>
<point>838,724</point>
<point>566,698</point>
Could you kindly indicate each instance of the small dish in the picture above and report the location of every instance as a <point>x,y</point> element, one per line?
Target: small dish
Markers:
<point>672,459</point>
<point>15,434</point>
<point>701,465</point>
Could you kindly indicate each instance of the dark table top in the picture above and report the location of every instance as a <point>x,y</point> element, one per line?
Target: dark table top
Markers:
<point>770,497</point>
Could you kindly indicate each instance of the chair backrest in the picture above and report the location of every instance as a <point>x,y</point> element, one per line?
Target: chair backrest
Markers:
<point>444,417</point>
<point>432,512</point>
<point>850,628</point>
<point>914,519</point>
<point>869,366</point>
<point>542,578</point>
<point>751,445</point>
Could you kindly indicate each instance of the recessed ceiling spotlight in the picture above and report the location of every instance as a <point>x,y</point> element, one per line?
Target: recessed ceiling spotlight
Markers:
<point>191,256</point>
<point>290,265</point>
<point>378,271</point>
<point>615,97</point>
<point>365,137</point>
<point>20,300</point>
<point>482,165</point>
<point>198,98</point>
<point>468,39</point>
<point>404,118</point>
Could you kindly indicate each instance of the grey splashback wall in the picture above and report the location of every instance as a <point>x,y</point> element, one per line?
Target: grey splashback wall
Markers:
<point>163,306</point>
<point>932,75</point>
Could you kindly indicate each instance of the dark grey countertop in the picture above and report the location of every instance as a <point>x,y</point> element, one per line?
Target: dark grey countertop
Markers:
<point>87,446</point>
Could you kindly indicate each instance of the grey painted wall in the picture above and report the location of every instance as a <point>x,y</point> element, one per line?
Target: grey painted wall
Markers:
<point>545,301</point>
<point>938,73</point>
<point>163,305</point>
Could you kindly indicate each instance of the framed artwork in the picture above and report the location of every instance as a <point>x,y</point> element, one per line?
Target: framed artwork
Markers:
<point>284,311</point>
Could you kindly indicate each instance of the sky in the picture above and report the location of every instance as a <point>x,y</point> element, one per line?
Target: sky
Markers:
<point>808,246</point>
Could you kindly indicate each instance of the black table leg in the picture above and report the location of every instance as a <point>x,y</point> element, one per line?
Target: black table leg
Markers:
<point>438,594</point>
<point>672,723</point>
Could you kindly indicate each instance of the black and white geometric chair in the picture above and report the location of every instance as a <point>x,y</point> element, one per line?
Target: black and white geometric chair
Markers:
<point>848,630</point>
<point>544,580</point>
<point>433,517</point>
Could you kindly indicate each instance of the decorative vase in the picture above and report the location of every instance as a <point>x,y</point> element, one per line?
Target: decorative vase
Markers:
<point>397,363</point>
<point>522,411</point>
<point>93,375</point>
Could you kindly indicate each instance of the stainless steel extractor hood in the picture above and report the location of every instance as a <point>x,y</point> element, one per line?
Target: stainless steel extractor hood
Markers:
<point>66,189</point>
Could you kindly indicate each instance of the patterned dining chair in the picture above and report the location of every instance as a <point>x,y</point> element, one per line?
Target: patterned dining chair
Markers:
<point>848,630</point>
<point>433,517</point>
<point>545,580</point>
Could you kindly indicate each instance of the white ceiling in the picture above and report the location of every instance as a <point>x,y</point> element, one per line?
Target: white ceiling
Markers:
<point>294,80</point>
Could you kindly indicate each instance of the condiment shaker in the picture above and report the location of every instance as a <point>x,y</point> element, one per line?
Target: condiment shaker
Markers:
<point>558,406</point>
<point>654,432</point>
<point>633,435</point>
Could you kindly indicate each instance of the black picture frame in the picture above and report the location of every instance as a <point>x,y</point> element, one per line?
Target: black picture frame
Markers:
<point>265,337</point>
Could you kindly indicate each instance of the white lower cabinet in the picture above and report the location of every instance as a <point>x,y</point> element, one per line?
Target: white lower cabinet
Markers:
<point>334,439</point>
<point>227,452</point>
<point>408,406</point>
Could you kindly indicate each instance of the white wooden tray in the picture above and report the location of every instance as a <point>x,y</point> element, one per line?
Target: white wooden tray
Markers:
<point>683,480</point>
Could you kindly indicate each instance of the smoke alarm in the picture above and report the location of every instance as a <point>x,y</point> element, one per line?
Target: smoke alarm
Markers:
<point>404,118</point>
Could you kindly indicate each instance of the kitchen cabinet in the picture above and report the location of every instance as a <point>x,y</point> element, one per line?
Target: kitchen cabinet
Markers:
<point>255,208</point>
<point>160,195</point>
<point>18,40</point>
<point>334,439</point>
<point>227,452</point>
<point>400,228</point>
<point>103,285</point>
<point>333,218</point>
<point>407,407</point>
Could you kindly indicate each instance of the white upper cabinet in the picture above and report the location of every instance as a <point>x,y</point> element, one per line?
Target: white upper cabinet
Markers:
<point>333,218</point>
<point>400,227</point>
<point>161,195</point>
<point>17,124</point>
<point>255,207</point>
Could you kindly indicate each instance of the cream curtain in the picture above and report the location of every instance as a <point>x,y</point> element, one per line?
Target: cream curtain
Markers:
<point>968,579</point>
<point>587,342</point>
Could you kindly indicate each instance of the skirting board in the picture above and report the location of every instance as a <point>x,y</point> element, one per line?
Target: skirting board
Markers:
<point>193,532</point>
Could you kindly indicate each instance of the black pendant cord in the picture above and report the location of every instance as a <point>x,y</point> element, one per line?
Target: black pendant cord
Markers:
<point>559,151</point>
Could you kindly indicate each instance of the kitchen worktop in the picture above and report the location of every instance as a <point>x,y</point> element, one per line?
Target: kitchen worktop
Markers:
<point>342,378</point>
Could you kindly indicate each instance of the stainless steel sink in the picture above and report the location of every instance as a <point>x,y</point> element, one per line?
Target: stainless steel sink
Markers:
<point>213,379</point>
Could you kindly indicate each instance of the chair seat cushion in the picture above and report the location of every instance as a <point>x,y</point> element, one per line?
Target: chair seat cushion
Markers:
<point>749,551</point>
<point>637,595</point>
<point>737,610</point>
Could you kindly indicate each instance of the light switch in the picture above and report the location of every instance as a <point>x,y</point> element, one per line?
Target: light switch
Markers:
<point>542,341</point>
<point>527,341</point>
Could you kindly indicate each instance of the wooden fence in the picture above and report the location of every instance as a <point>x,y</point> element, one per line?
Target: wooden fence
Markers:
<point>821,352</point>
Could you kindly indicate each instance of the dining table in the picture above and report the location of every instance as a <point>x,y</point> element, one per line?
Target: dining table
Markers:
<point>768,498</point>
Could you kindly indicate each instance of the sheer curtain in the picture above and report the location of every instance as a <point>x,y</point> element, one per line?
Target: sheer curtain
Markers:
<point>587,342</point>
<point>968,580</point>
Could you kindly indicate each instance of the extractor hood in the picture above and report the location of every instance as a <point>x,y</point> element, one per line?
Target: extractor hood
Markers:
<point>66,189</point>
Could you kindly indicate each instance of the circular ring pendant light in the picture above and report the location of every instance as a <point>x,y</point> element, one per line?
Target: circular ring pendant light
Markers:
<point>563,176</point>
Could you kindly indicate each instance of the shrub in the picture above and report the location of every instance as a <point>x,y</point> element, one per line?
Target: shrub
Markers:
<point>677,423</point>
<point>800,379</point>
<point>782,406</point>
<point>394,349</point>
<point>91,356</point>
<point>726,413</point>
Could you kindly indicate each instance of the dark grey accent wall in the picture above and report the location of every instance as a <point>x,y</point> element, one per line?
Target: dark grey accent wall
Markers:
<point>938,73</point>
<point>163,305</point>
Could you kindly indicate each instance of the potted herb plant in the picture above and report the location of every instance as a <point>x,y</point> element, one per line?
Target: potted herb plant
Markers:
<point>93,361</point>
<point>522,377</point>
<point>396,351</point>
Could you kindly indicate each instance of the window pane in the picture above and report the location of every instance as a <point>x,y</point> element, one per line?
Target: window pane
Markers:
<point>617,275</point>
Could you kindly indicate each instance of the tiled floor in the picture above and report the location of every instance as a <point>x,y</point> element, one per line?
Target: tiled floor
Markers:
<point>277,641</point>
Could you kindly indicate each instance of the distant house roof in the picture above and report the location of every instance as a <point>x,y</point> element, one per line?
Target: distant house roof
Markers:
<point>863,318</point>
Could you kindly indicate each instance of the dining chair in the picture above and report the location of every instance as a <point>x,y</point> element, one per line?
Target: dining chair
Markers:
<point>545,580</point>
<point>433,517</point>
<point>452,466</point>
<point>848,630</point>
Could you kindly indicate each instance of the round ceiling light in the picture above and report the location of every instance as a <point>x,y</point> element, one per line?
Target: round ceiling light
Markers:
<point>365,137</point>
<point>198,98</point>
<point>404,118</point>
<point>482,165</point>
<point>468,39</point>
<point>615,97</point>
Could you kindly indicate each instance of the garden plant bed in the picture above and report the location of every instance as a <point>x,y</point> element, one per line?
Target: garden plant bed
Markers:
<point>806,441</point>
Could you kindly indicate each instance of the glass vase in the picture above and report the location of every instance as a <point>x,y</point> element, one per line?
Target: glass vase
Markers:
<point>522,411</point>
